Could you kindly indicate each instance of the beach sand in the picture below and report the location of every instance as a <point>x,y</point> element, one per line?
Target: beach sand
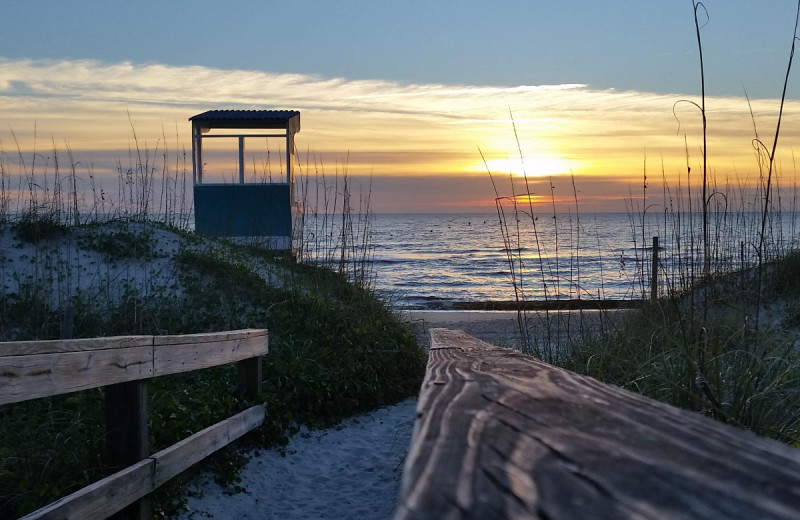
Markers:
<point>497,327</point>
<point>346,472</point>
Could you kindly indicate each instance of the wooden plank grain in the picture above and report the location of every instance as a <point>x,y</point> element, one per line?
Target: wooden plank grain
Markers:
<point>43,368</point>
<point>174,358</point>
<point>208,337</point>
<point>103,498</point>
<point>193,449</point>
<point>503,435</point>
<point>115,492</point>
<point>40,375</point>
<point>32,370</point>
<point>26,348</point>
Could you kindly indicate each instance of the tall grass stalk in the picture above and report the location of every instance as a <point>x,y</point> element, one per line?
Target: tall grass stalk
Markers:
<point>771,160</point>
<point>719,339</point>
<point>333,232</point>
<point>706,257</point>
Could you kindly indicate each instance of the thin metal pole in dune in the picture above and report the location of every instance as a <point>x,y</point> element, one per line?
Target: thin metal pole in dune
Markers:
<point>241,159</point>
<point>654,272</point>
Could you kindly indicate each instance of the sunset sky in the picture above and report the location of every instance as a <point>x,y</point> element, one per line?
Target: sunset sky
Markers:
<point>412,92</point>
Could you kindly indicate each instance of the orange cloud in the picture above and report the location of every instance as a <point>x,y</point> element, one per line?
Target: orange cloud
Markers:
<point>388,129</point>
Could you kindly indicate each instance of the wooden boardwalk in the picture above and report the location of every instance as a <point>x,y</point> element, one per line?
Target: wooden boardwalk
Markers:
<point>503,435</point>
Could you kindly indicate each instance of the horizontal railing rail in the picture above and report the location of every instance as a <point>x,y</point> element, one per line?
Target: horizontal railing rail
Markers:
<point>36,369</point>
<point>500,434</point>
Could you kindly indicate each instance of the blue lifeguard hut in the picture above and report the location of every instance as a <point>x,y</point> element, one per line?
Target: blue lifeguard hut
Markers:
<point>255,212</point>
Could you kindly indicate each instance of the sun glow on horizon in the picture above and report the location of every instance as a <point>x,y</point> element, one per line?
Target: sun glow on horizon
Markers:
<point>418,140</point>
<point>530,165</point>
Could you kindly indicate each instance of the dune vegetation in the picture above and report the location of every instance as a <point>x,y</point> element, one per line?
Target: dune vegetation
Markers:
<point>720,334</point>
<point>75,264</point>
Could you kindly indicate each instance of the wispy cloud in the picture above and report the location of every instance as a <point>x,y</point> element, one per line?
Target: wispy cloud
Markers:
<point>388,128</point>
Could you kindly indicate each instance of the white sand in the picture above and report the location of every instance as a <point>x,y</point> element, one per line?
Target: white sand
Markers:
<point>58,269</point>
<point>349,472</point>
<point>496,327</point>
<point>440,317</point>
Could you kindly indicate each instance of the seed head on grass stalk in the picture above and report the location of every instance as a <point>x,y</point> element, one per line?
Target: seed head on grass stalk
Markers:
<point>706,259</point>
<point>532,216</point>
<point>507,247</point>
<point>696,7</point>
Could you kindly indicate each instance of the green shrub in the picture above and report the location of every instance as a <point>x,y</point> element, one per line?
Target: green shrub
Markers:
<point>120,245</point>
<point>716,364</point>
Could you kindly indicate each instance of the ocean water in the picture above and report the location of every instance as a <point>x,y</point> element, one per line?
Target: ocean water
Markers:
<point>423,261</point>
<point>436,260</point>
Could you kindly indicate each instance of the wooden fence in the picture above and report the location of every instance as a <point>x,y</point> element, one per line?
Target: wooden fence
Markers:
<point>36,369</point>
<point>502,435</point>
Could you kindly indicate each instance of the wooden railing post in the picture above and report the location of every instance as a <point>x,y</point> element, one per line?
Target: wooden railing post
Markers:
<point>250,376</point>
<point>127,439</point>
<point>121,365</point>
<point>654,272</point>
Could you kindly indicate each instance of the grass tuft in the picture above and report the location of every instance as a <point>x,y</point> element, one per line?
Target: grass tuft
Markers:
<point>33,226</point>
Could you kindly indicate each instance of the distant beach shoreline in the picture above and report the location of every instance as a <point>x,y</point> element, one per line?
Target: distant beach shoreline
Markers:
<point>528,305</point>
<point>502,327</point>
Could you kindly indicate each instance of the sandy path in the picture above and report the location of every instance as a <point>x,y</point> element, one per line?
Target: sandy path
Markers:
<point>352,471</point>
<point>496,327</point>
<point>347,472</point>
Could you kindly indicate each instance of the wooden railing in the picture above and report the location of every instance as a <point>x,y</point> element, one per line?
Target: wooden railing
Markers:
<point>36,369</point>
<point>502,435</point>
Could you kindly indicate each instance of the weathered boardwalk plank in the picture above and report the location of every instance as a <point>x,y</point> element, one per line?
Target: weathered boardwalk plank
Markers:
<point>111,494</point>
<point>503,435</point>
<point>34,369</point>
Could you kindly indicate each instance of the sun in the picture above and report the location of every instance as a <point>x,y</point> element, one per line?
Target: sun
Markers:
<point>530,165</point>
